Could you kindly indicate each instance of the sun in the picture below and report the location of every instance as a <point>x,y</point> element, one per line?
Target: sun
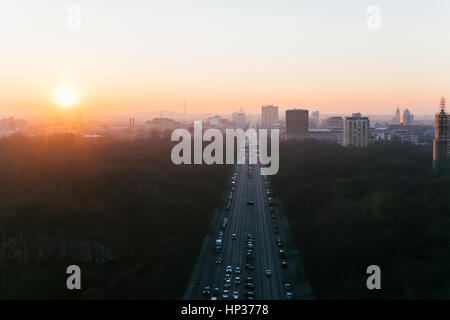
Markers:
<point>66,98</point>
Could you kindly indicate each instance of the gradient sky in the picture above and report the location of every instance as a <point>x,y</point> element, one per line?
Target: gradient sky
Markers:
<point>218,56</point>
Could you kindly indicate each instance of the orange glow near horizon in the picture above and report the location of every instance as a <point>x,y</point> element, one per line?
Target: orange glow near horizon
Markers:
<point>219,58</point>
<point>66,98</point>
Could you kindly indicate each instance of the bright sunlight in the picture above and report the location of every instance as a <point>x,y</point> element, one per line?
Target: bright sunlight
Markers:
<point>66,97</point>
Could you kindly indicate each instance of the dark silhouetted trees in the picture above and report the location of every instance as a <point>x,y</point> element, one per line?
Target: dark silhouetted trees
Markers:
<point>382,205</point>
<point>121,210</point>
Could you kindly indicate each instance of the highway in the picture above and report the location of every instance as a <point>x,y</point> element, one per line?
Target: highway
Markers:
<point>243,219</point>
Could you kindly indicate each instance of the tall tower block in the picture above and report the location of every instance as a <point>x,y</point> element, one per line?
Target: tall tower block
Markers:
<point>441,137</point>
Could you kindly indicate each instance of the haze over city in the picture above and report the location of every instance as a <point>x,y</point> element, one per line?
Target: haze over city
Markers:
<point>137,56</point>
<point>197,155</point>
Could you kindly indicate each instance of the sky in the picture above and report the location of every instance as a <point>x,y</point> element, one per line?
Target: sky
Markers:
<point>219,56</point>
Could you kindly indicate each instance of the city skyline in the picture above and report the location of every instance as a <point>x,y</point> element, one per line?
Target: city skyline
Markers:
<point>219,58</point>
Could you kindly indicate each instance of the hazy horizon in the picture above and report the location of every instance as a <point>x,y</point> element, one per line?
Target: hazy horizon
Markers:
<point>132,57</point>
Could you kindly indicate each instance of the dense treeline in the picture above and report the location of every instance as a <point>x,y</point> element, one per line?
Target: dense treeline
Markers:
<point>381,205</point>
<point>120,210</point>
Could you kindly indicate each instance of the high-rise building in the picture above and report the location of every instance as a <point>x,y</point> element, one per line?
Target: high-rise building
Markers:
<point>297,125</point>
<point>441,138</point>
<point>396,119</point>
<point>316,119</point>
<point>336,127</point>
<point>239,120</point>
<point>334,123</point>
<point>356,131</point>
<point>407,118</point>
<point>269,116</point>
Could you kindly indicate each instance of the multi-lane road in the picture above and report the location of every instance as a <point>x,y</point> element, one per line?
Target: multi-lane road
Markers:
<point>249,214</point>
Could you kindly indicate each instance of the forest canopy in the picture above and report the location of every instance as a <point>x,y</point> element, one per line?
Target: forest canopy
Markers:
<point>381,205</point>
<point>121,210</point>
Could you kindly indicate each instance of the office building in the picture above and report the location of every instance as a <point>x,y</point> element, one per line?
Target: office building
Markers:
<point>336,127</point>
<point>356,131</point>
<point>297,125</point>
<point>396,119</point>
<point>239,120</point>
<point>407,118</point>
<point>269,116</point>
<point>441,138</point>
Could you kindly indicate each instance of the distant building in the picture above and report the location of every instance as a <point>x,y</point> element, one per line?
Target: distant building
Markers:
<point>11,125</point>
<point>441,143</point>
<point>214,121</point>
<point>407,118</point>
<point>403,133</point>
<point>297,125</point>
<point>269,116</point>
<point>396,119</point>
<point>335,123</point>
<point>239,121</point>
<point>162,124</point>
<point>217,122</point>
<point>279,124</point>
<point>315,116</point>
<point>336,127</point>
<point>356,131</point>
<point>323,134</point>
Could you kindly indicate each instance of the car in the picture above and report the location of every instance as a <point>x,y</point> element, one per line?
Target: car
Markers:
<point>227,284</point>
<point>250,266</point>
<point>227,277</point>
<point>206,291</point>
<point>249,236</point>
<point>251,202</point>
<point>250,294</point>
<point>220,234</point>
<point>250,286</point>
<point>287,287</point>
<point>284,264</point>
<point>213,298</point>
<point>268,273</point>
<point>218,260</point>
<point>216,292</point>
<point>237,270</point>
<point>225,294</point>
<point>229,269</point>
<point>237,281</point>
<point>234,236</point>
<point>289,296</point>
<point>248,280</point>
<point>235,295</point>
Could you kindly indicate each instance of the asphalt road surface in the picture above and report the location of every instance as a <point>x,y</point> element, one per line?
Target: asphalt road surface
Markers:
<point>243,219</point>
